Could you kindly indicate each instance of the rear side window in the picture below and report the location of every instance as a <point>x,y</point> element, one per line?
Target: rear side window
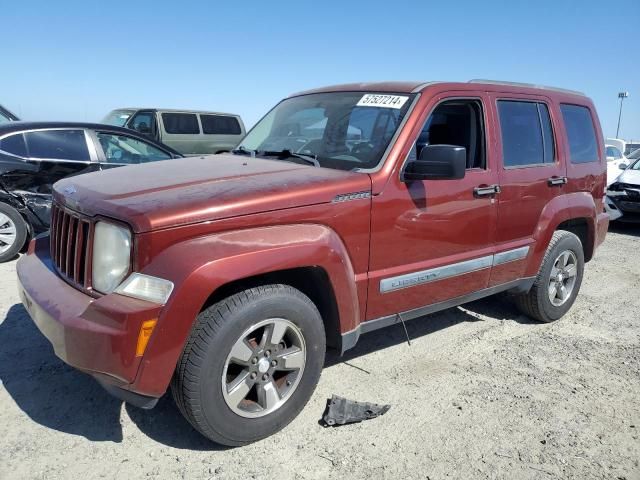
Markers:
<point>527,135</point>
<point>181,123</point>
<point>58,144</point>
<point>220,125</point>
<point>583,146</point>
<point>14,144</point>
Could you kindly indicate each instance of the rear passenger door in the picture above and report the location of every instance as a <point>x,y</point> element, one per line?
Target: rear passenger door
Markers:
<point>531,175</point>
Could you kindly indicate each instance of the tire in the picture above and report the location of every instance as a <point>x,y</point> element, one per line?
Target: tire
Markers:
<point>206,371</point>
<point>537,303</point>
<point>13,232</point>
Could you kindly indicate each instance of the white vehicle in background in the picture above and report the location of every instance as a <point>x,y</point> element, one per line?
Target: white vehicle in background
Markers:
<point>623,194</point>
<point>615,158</point>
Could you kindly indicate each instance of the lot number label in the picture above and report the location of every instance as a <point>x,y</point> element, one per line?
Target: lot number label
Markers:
<point>384,101</point>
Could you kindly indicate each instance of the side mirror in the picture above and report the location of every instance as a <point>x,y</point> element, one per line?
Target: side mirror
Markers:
<point>623,166</point>
<point>437,162</point>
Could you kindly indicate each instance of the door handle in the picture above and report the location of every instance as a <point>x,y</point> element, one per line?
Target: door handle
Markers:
<point>556,181</point>
<point>483,191</point>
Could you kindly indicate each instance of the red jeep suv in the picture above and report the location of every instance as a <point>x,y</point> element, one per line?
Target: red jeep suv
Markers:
<point>344,210</point>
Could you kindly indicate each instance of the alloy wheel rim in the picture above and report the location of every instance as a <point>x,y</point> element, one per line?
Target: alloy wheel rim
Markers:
<point>264,368</point>
<point>562,278</point>
<point>8,233</point>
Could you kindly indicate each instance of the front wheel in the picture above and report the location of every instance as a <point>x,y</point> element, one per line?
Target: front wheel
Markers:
<point>251,364</point>
<point>558,281</point>
<point>13,232</point>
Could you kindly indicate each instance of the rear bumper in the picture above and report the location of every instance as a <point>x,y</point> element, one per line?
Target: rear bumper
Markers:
<point>95,335</point>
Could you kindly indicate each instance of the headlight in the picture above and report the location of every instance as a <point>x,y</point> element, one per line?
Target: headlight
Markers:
<point>111,256</point>
<point>145,287</point>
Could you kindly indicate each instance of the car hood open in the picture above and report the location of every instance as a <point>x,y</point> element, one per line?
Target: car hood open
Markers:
<point>197,189</point>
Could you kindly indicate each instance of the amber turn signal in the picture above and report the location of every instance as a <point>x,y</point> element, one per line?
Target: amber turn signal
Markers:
<point>145,334</point>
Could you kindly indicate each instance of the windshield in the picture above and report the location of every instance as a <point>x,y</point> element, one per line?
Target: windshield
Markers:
<point>341,130</point>
<point>634,155</point>
<point>118,117</point>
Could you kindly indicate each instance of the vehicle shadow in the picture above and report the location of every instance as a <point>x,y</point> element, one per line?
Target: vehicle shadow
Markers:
<point>497,306</point>
<point>58,397</point>
<point>61,398</point>
<point>625,228</point>
<point>50,392</point>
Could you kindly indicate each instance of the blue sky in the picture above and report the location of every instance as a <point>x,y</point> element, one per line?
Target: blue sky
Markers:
<point>72,60</point>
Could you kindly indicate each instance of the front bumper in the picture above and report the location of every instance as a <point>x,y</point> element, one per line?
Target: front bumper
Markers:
<point>623,208</point>
<point>95,335</point>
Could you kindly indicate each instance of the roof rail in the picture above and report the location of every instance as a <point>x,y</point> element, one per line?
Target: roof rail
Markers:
<point>530,85</point>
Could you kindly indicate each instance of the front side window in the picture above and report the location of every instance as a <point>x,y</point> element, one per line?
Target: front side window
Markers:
<point>583,147</point>
<point>123,149</point>
<point>341,130</point>
<point>455,122</point>
<point>14,144</point>
<point>143,122</point>
<point>220,125</point>
<point>181,123</point>
<point>58,145</point>
<point>527,135</point>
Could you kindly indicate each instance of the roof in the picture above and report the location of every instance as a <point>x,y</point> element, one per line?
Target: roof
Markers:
<point>17,126</point>
<point>177,110</point>
<point>415,87</point>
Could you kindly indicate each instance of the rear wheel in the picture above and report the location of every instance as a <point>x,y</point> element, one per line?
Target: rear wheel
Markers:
<point>558,281</point>
<point>13,232</point>
<point>251,364</point>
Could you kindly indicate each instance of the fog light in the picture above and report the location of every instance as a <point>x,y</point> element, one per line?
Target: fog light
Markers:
<point>145,334</point>
<point>145,287</point>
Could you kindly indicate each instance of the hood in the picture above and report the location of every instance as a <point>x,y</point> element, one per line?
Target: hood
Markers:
<point>197,189</point>
<point>629,176</point>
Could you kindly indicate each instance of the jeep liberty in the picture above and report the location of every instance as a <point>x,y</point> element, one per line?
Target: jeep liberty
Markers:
<point>344,210</point>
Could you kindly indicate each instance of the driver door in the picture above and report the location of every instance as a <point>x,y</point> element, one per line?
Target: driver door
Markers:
<point>433,240</point>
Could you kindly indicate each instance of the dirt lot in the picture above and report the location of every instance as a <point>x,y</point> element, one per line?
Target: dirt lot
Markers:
<point>482,392</point>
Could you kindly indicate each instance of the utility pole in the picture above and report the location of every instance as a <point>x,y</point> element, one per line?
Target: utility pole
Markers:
<point>621,96</point>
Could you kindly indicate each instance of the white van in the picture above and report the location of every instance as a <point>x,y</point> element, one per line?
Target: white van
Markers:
<point>187,131</point>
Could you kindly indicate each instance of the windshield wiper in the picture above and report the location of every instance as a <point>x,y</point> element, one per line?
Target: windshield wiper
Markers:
<point>243,151</point>
<point>286,153</point>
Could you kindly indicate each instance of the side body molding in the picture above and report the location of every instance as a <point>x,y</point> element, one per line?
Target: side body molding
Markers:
<point>201,265</point>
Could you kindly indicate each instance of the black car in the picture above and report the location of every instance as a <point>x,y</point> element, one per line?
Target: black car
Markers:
<point>33,156</point>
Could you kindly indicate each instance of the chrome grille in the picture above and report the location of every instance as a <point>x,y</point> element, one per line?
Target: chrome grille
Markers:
<point>70,244</point>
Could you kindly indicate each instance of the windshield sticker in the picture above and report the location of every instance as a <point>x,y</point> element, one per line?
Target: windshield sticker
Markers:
<point>384,101</point>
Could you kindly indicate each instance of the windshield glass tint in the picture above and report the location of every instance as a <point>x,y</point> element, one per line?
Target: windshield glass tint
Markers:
<point>341,130</point>
<point>634,155</point>
<point>118,117</point>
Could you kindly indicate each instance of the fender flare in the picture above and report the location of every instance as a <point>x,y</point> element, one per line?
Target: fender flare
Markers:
<point>578,205</point>
<point>199,267</point>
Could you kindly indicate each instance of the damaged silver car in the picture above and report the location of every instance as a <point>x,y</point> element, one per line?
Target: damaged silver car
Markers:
<point>33,156</point>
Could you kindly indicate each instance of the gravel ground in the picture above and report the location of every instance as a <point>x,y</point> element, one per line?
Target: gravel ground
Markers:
<point>482,392</point>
